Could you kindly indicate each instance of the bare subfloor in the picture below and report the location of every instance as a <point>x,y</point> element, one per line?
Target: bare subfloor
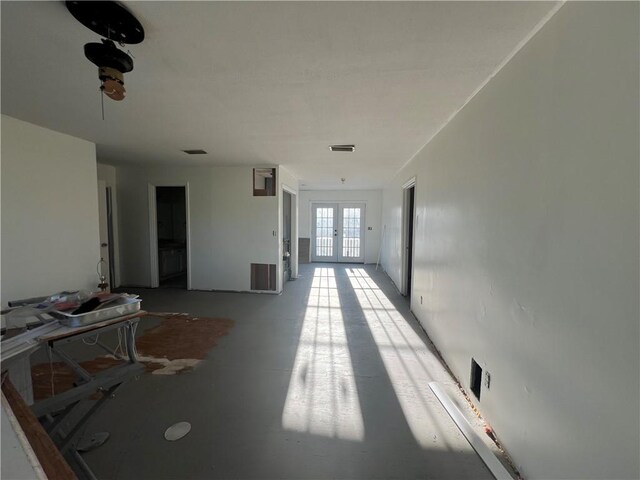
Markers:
<point>327,380</point>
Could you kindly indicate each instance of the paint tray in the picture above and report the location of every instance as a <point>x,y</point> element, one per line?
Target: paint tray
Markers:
<point>126,305</point>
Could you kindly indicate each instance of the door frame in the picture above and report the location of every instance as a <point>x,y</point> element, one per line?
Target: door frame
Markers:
<point>153,231</point>
<point>406,241</point>
<point>338,227</point>
<point>336,208</point>
<point>111,235</point>
<point>294,233</point>
<point>103,227</point>
<point>363,206</point>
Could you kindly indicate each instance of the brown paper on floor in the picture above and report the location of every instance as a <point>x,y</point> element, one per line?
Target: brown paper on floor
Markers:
<point>174,346</point>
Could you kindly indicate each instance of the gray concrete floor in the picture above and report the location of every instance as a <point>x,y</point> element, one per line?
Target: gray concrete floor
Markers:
<point>327,380</point>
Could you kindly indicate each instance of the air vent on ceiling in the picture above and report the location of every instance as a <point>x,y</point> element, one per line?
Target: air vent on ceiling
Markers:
<point>195,152</point>
<point>342,148</point>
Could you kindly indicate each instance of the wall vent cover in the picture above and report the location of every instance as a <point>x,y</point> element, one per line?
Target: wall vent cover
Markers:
<point>342,148</point>
<point>476,378</point>
<point>195,152</point>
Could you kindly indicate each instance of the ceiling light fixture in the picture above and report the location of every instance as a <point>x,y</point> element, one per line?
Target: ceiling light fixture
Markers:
<point>342,148</point>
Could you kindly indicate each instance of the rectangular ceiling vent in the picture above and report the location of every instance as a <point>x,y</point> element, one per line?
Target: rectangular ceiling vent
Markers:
<point>342,148</point>
<point>195,152</point>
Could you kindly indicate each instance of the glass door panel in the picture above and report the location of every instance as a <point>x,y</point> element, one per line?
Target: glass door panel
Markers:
<point>325,232</point>
<point>337,232</point>
<point>351,233</point>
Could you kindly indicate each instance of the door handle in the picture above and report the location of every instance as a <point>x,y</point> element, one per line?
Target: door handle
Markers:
<point>104,244</point>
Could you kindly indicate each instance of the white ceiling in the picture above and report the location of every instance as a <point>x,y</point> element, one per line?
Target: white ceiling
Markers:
<point>264,83</point>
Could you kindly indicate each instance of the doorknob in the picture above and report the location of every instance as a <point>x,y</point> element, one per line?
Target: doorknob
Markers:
<point>104,244</point>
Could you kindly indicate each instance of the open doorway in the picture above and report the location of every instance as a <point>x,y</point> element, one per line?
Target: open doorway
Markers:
<point>288,227</point>
<point>171,221</point>
<point>107,242</point>
<point>111,238</point>
<point>408,207</point>
<point>286,234</point>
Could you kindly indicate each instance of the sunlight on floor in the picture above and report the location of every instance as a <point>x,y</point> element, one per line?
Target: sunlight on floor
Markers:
<point>407,359</point>
<point>322,397</point>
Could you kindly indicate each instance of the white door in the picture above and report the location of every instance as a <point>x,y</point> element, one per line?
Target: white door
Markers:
<point>325,232</point>
<point>338,232</point>
<point>351,234</point>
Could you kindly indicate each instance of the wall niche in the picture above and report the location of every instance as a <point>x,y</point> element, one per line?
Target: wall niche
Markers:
<point>264,182</point>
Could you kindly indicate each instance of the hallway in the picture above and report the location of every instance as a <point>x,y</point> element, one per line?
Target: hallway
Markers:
<point>327,380</point>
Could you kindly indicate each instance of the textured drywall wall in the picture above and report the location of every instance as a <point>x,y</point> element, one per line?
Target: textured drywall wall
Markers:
<point>373,201</point>
<point>229,227</point>
<point>50,236</point>
<point>526,244</point>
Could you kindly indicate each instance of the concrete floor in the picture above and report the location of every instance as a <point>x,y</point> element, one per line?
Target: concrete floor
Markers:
<point>327,380</point>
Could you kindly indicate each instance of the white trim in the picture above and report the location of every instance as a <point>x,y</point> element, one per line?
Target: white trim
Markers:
<point>404,256</point>
<point>116,238</point>
<point>153,232</point>
<point>508,58</point>
<point>187,206</point>
<point>289,189</point>
<point>21,436</point>
<point>294,230</point>
<point>409,183</point>
<point>103,219</point>
<point>153,238</point>
<point>487,456</point>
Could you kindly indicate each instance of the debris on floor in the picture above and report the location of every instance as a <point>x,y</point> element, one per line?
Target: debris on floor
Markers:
<point>177,431</point>
<point>178,344</point>
<point>182,336</point>
<point>53,378</point>
<point>92,442</point>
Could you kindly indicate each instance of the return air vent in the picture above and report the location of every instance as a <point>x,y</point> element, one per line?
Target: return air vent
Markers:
<point>342,148</point>
<point>263,276</point>
<point>476,378</point>
<point>195,152</point>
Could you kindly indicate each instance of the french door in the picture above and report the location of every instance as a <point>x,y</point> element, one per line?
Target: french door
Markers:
<point>338,232</point>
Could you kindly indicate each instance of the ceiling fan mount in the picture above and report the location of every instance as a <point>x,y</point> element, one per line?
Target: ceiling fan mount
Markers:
<point>108,19</point>
<point>115,23</point>
<point>106,54</point>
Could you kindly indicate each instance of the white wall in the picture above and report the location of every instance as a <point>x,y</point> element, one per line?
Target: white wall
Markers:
<point>373,201</point>
<point>229,227</point>
<point>50,238</point>
<point>526,252</point>
<point>107,173</point>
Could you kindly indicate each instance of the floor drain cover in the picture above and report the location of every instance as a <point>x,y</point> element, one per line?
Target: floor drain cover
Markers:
<point>177,431</point>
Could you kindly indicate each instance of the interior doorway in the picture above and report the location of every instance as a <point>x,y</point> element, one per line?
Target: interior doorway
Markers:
<point>337,232</point>
<point>287,216</point>
<point>171,227</point>
<point>408,207</point>
<point>107,242</point>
